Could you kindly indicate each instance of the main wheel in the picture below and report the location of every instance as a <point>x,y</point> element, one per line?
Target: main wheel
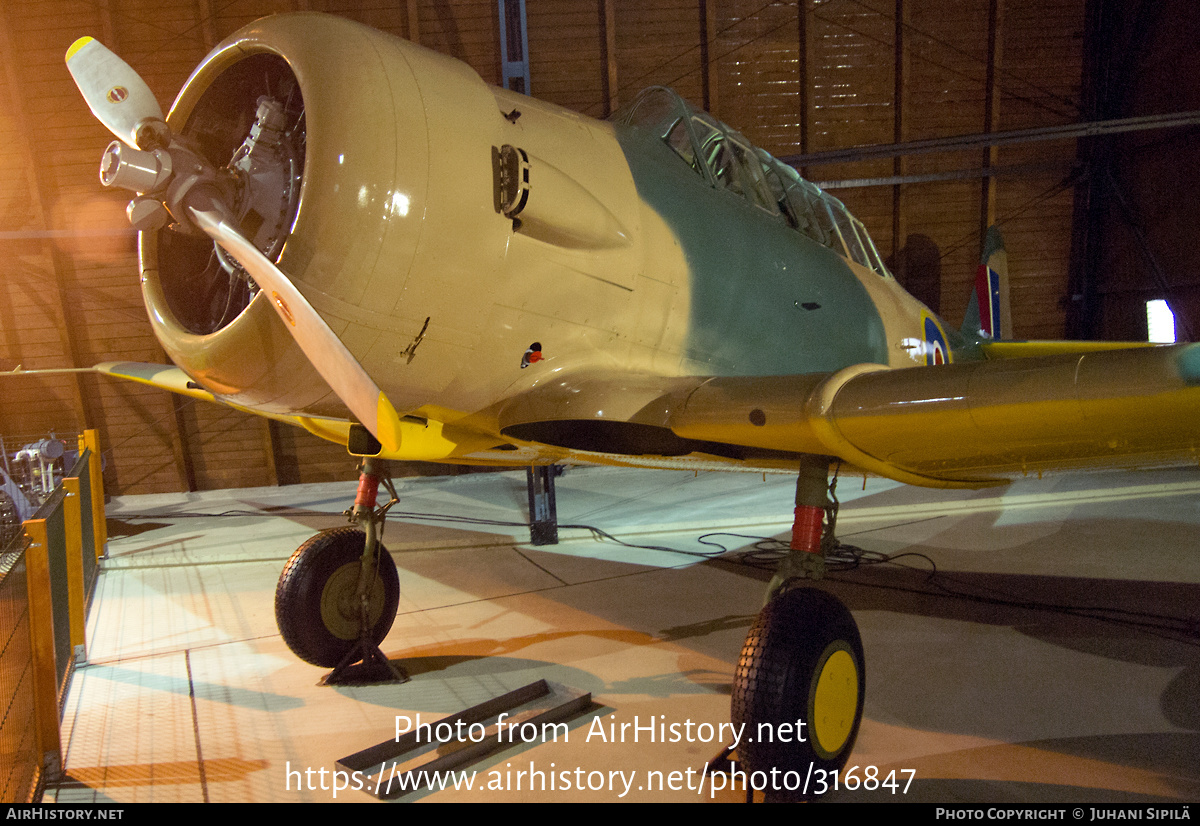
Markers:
<point>802,661</point>
<point>315,605</point>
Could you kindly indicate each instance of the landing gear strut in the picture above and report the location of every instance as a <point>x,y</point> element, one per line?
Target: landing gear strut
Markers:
<point>337,596</point>
<point>800,680</point>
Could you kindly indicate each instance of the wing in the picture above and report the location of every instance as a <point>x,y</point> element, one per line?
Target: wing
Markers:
<point>163,376</point>
<point>174,380</point>
<point>420,438</point>
<point>965,424</point>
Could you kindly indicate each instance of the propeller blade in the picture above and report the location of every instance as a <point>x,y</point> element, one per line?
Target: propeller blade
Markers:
<point>324,349</point>
<point>116,94</point>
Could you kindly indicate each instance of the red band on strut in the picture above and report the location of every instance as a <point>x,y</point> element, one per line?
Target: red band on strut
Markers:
<point>368,490</point>
<point>806,530</point>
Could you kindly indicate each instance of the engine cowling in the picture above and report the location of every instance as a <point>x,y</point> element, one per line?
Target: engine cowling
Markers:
<point>321,124</point>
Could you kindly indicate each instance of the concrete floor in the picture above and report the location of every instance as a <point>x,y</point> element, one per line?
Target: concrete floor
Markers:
<point>1053,657</point>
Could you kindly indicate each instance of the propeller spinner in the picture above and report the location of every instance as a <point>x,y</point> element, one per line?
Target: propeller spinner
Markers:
<point>167,174</point>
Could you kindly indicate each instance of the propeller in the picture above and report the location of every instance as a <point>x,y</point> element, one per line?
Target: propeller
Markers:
<point>117,95</point>
<point>122,101</point>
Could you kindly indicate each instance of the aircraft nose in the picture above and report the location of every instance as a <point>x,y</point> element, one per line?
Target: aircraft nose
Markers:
<point>318,124</point>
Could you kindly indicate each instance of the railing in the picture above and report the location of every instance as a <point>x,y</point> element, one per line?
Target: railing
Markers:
<point>45,590</point>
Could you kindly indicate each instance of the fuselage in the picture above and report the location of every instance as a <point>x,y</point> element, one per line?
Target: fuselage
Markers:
<point>658,243</point>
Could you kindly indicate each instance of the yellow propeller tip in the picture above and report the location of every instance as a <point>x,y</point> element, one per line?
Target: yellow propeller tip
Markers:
<point>77,45</point>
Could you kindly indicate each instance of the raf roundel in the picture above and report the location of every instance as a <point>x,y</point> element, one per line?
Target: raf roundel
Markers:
<point>937,351</point>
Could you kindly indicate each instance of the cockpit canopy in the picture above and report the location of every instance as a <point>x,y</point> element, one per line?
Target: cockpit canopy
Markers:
<point>726,160</point>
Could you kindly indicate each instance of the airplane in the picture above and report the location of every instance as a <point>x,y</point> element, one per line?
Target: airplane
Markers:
<point>348,232</point>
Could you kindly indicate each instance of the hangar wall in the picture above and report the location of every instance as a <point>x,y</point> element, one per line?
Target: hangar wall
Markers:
<point>1135,239</point>
<point>823,74</point>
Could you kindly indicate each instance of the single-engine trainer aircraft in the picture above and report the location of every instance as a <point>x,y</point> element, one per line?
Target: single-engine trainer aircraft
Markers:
<point>354,234</point>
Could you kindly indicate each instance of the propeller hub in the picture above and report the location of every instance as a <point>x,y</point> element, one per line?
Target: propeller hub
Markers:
<point>135,169</point>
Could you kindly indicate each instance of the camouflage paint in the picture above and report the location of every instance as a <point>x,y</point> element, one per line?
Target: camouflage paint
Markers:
<point>765,299</point>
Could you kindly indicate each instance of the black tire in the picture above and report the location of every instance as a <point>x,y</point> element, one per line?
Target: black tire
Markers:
<point>803,660</point>
<point>314,600</point>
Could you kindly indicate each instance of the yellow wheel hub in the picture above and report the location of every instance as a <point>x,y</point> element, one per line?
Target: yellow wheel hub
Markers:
<point>339,608</point>
<point>834,700</point>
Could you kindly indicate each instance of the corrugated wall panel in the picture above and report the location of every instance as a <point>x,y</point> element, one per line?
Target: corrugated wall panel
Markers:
<point>658,44</point>
<point>386,15</point>
<point>466,29</point>
<point>755,71</point>
<point>566,54</point>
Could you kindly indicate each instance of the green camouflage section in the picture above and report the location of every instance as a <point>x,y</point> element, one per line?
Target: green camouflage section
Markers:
<point>765,299</point>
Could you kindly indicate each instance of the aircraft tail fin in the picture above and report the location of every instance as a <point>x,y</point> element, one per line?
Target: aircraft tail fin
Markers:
<point>989,314</point>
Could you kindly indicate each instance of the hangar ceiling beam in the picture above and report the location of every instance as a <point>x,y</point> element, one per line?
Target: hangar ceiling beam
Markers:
<point>1064,167</point>
<point>1011,136</point>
